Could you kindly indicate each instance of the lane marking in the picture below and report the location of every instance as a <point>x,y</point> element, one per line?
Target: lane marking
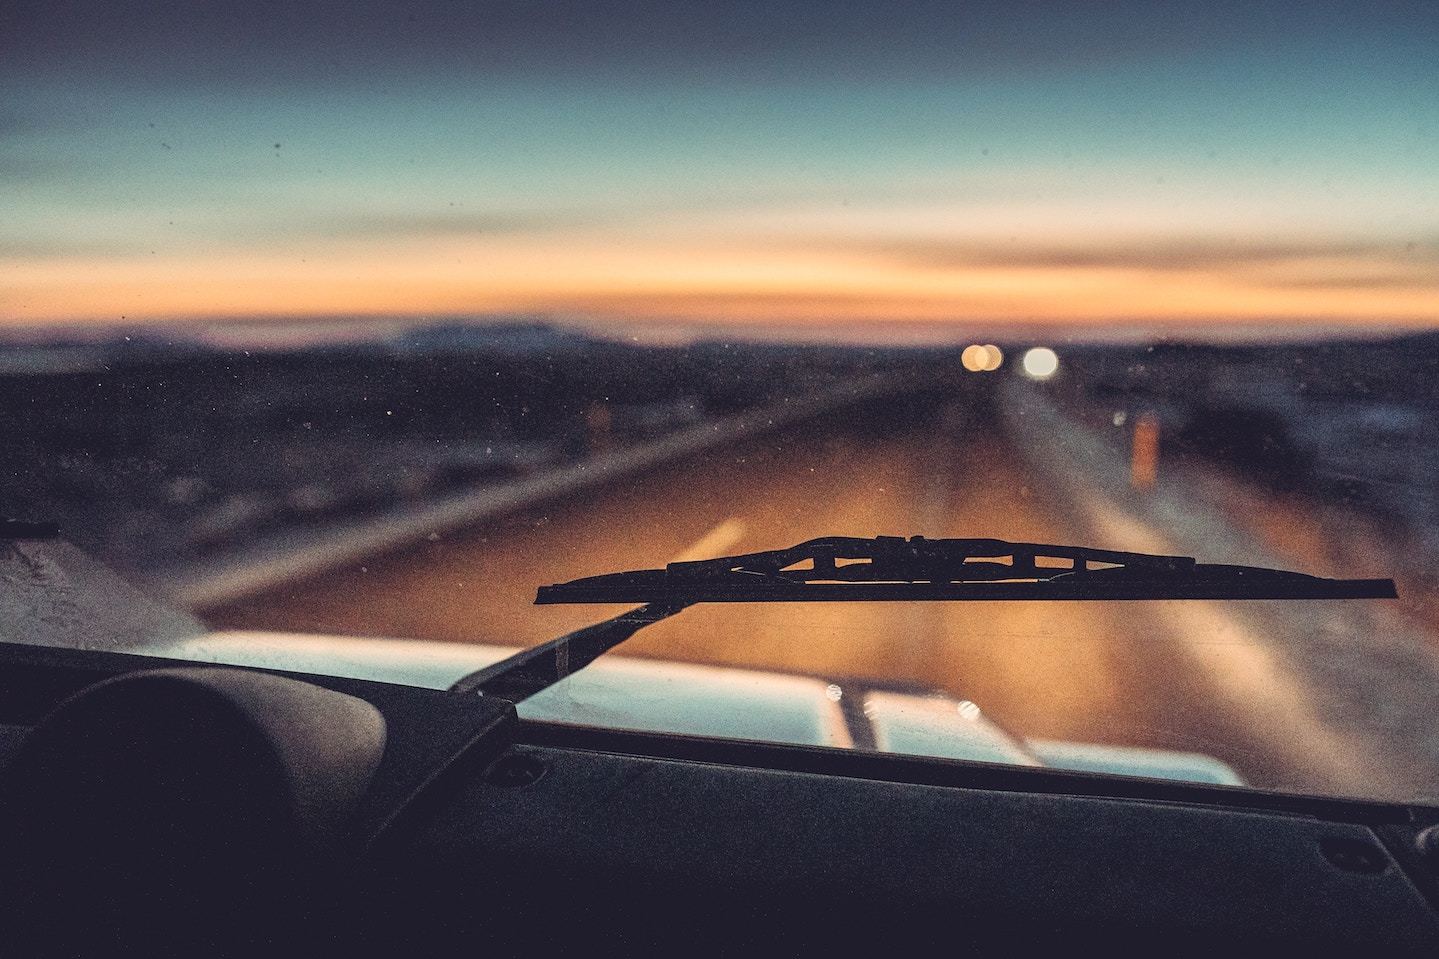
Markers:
<point>714,543</point>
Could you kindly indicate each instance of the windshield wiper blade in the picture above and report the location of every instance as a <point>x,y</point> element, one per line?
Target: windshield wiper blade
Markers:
<point>887,568</point>
<point>892,568</point>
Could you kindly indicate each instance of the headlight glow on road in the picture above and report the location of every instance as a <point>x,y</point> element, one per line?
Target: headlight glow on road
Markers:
<point>1040,363</point>
<point>994,357</point>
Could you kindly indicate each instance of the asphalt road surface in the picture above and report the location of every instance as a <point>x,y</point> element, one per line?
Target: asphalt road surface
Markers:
<point>1085,671</point>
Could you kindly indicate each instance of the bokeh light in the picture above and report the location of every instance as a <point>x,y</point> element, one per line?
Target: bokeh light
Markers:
<point>1040,363</point>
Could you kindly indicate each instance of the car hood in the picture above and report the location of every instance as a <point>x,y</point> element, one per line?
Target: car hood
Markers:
<point>620,692</point>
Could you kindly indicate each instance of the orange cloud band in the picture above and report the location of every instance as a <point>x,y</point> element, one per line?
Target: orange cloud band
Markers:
<point>731,282</point>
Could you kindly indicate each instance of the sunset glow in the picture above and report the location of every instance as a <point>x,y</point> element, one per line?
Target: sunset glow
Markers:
<point>1182,176</point>
<point>658,283</point>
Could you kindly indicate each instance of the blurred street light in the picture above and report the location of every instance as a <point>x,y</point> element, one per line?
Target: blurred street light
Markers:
<point>982,359</point>
<point>974,357</point>
<point>1040,363</point>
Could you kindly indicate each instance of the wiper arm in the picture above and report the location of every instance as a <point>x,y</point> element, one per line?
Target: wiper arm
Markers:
<point>892,568</point>
<point>527,672</point>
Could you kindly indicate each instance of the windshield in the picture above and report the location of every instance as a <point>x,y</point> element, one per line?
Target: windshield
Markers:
<point>336,323</point>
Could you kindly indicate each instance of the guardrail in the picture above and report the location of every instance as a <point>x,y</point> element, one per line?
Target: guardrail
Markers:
<point>301,553</point>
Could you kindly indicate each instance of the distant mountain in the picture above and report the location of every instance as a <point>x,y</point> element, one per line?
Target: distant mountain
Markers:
<point>524,338</point>
<point>75,355</point>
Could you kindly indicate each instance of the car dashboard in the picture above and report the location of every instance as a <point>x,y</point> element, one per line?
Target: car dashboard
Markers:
<point>468,829</point>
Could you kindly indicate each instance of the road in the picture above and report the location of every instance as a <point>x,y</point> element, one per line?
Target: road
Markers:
<point>1094,672</point>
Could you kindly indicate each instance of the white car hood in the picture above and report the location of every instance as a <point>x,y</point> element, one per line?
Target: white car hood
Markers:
<point>628,693</point>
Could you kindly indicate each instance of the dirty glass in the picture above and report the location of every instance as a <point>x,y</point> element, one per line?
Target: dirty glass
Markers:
<point>324,323</point>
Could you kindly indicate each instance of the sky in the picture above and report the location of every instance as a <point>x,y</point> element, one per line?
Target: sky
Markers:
<point>787,163</point>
